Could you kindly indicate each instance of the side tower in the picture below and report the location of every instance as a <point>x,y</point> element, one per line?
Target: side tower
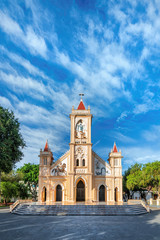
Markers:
<point>46,160</point>
<point>80,166</point>
<point>116,166</point>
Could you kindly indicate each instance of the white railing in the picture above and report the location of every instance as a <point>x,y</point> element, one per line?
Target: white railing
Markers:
<point>145,205</point>
<point>133,201</point>
<point>142,202</point>
<point>15,204</point>
<point>151,202</point>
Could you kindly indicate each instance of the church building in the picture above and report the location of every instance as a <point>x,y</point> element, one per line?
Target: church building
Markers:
<point>80,175</point>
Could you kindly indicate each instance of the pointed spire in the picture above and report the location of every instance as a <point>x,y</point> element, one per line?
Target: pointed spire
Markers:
<point>46,148</point>
<point>81,106</point>
<point>115,148</point>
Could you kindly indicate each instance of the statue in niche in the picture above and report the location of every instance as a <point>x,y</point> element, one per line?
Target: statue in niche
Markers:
<point>80,130</point>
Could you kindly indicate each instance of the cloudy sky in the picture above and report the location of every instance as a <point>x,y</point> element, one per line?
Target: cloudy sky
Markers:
<point>109,50</point>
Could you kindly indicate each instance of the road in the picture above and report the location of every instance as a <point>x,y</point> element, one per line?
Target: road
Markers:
<point>14,227</point>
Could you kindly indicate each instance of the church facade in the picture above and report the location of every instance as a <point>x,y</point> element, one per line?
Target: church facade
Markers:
<point>80,175</point>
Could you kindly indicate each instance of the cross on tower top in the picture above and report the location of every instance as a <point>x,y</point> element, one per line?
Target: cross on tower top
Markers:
<point>81,95</point>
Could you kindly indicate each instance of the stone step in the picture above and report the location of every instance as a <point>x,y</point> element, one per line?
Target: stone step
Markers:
<point>73,210</point>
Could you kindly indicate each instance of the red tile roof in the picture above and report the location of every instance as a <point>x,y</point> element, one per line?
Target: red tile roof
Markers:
<point>81,106</point>
<point>115,148</point>
<point>46,148</point>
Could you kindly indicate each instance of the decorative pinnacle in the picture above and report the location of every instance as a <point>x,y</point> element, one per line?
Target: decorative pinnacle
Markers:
<point>81,95</point>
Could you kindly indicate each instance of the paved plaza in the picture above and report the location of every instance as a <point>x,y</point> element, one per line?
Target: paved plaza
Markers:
<point>15,227</point>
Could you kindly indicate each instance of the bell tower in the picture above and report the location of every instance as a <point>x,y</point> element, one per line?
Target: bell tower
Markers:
<point>81,148</point>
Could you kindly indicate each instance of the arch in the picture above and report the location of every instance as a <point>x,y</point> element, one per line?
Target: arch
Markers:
<point>77,162</point>
<point>44,194</point>
<point>106,188</point>
<point>83,162</point>
<point>58,183</point>
<point>58,193</point>
<point>80,191</point>
<point>54,190</point>
<point>116,194</point>
<point>81,178</point>
<point>102,192</point>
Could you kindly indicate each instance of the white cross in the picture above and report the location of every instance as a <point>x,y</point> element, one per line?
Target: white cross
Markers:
<point>81,95</point>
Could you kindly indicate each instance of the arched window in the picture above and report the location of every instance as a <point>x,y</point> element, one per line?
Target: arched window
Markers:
<point>116,194</point>
<point>83,162</point>
<point>77,162</point>
<point>58,193</point>
<point>44,194</point>
<point>45,161</point>
<point>102,193</point>
<point>80,191</point>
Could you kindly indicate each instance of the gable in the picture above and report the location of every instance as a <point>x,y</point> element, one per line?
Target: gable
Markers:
<point>59,168</point>
<point>101,168</point>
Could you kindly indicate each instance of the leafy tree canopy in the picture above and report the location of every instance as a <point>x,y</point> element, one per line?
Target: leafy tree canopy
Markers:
<point>30,177</point>
<point>12,176</point>
<point>11,140</point>
<point>144,178</point>
<point>8,190</point>
<point>12,185</point>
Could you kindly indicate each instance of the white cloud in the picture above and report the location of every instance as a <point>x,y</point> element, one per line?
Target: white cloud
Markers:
<point>34,42</point>
<point>141,108</point>
<point>139,155</point>
<point>122,138</point>
<point>148,103</point>
<point>23,62</point>
<point>5,102</point>
<point>152,135</point>
<point>22,83</point>
<point>35,139</point>
<point>122,116</point>
<point>9,25</point>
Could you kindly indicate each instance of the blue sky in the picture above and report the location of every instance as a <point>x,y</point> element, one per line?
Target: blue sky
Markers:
<point>109,50</point>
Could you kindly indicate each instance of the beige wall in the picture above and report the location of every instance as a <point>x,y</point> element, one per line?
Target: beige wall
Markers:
<point>81,147</point>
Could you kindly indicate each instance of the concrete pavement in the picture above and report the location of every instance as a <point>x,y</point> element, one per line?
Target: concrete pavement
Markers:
<point>15,227</point>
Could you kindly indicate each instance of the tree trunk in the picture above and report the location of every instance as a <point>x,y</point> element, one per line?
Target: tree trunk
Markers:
<point>0,180</point>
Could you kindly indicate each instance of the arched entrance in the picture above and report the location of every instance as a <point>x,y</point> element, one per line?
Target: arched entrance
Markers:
<point>44,194</point>
<point>102,193</point>
<point>116,194</point>
<point>80,191</point>
<point>58,193</point>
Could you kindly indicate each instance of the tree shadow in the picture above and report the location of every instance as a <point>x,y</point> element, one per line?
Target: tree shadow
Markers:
<point>146,226</point>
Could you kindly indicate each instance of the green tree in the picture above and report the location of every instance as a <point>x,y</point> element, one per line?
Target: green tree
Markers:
<point>8,190</point>
<point>125,189</point>
<point>144,178</point>
<point>12,176</point>
<point>22,190</point>
<point>30,177</point>
<point>134,180</point>
<point>16,187</point>
<point>151,177</point>
<point>11,141</point>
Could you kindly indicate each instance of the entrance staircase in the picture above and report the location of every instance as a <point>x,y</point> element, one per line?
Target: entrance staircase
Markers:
<point>79,210</point>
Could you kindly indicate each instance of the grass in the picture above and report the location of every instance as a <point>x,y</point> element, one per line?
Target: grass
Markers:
<point>4,206</point>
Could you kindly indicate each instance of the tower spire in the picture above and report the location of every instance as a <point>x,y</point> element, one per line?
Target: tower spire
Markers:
<point>115,148</point>
<point>81,104</point>
<point>46,148</point>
